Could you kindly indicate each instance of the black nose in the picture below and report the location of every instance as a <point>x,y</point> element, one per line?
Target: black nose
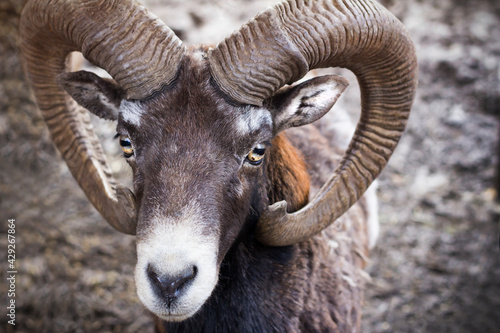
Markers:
<point>170,287</point>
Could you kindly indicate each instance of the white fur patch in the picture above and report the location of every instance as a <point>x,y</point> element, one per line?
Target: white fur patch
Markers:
<point>171,247</point>
<point>131,112</point>
<point>252,119</point>
<point>199,56</point>
<point>109,105</point>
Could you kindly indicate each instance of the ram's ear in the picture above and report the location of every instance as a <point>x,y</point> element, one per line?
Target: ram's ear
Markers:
<point>305,103</point>
<point>100,96</point>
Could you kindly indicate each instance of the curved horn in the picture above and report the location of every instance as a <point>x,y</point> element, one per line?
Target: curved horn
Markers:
<point>139,52</point>
<point>280,46</point>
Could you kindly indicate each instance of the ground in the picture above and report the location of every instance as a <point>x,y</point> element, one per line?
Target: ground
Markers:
<point>436,267</point>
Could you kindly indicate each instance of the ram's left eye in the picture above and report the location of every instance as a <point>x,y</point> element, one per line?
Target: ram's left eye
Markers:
<point>126,145</point>
<point>256,156</point>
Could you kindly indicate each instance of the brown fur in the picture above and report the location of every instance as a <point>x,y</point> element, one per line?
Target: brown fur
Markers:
<point>287,176</point>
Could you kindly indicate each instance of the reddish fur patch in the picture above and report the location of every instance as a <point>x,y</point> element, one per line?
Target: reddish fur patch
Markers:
<point>287,174</point>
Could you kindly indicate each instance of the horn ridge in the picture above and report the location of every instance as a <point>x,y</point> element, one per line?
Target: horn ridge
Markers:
<point>262,35</point>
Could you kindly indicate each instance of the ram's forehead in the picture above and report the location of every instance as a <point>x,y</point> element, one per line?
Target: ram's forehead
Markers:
<point>195,101</point>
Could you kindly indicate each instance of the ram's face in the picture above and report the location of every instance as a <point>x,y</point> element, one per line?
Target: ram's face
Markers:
<point>197,165</point>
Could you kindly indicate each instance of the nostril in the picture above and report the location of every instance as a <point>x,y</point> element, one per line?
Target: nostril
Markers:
<point>152,275</point>
<point>188,275</point>
<point>168,286</point>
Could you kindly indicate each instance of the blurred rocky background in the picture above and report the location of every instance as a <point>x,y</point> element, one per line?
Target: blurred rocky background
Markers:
<point>436,267</point>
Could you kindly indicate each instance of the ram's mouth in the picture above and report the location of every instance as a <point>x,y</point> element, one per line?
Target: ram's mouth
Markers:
<point>176,317</point>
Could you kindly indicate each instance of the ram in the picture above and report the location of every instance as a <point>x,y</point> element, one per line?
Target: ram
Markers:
<point>224,155</point>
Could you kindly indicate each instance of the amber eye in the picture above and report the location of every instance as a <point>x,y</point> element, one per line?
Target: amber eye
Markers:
<point>126,144</point>
<point>256,156</point>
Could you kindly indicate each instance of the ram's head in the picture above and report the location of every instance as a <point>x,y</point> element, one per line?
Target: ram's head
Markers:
<point>197,125</point>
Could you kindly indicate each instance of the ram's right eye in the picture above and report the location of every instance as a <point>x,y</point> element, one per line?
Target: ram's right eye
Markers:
<point>126,145</point>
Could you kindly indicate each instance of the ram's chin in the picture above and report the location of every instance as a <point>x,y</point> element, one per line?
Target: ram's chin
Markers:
<point>176,317</point>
